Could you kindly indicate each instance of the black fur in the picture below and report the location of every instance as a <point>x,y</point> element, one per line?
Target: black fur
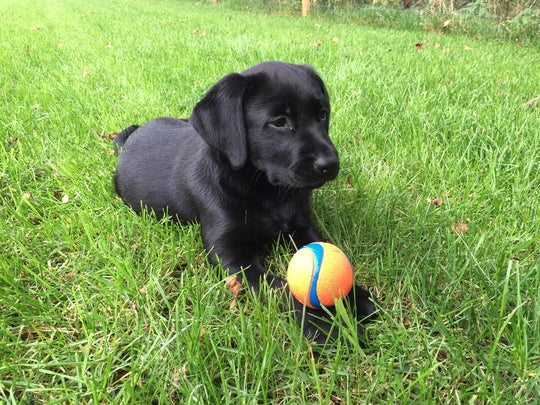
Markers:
<point>243,166</point>
<point>122,137</point>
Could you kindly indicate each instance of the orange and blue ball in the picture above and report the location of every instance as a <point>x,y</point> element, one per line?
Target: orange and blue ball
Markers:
<point>318,274</point>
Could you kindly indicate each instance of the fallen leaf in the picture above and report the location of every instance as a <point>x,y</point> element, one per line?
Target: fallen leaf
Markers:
<point>459,228</point>
<point>437,202</point>
<point>201,334</point>
<point>419,46</point>
<point>467,48</point>
<point>335,39</point>
<point>34,220</point>
<point>109,45</point>
<point>85,73</point>
<point>532,102</point>
<point>27,196</point>
<point>317,44</point>
<point>233,285</point>
<point>447,23</point>
<point>65,199</point>
<point>437,45</point>
<point>59,44</point>
<point>183,370</point>
<point>176,377</point>
<point>110,135</point>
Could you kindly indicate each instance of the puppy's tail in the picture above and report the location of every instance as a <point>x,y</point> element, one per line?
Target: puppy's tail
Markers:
<point>122,137</point>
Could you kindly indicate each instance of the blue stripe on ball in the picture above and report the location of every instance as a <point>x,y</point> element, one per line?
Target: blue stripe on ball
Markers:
<point>318,253</point>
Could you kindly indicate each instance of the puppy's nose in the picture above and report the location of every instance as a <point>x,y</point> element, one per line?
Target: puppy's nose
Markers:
<point>327,165</point>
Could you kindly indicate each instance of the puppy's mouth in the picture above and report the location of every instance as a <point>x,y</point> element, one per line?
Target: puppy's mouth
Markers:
<point>301,179</point>
<point>294,183</point>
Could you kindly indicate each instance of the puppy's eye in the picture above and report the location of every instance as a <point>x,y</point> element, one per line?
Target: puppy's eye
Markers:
<point>280,122</point>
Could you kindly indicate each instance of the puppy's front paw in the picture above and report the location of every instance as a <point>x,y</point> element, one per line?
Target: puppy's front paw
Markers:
<point>322,326</point>
<point>363,303</point>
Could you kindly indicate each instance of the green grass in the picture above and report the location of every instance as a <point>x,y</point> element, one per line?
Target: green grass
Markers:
<point>98,305</point>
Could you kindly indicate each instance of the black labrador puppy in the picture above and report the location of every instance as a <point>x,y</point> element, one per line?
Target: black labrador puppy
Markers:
<point>243,166</point>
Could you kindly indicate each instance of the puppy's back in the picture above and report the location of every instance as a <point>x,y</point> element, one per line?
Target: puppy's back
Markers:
<point>154,167</point>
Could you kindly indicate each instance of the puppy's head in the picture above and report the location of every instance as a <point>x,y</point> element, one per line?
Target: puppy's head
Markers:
<point>274,117</point>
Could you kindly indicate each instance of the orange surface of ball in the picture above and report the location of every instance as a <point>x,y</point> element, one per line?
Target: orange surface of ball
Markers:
<point>318,274</point>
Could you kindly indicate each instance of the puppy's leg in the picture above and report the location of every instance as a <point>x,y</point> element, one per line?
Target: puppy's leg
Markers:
<point>240,256</point>
<point>248,269</point>
<point>319,325</point>
<point>361,302</point>
<point>238,251</point>
<point>305,235</point>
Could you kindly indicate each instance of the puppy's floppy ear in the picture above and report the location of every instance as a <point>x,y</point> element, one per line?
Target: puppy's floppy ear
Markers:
<point>219,118</point>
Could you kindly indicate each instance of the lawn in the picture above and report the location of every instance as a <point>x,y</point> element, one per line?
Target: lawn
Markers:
<point>437,205</point>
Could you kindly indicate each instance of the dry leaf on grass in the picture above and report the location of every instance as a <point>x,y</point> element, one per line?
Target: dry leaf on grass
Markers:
<point>197,31</point>
<point>183,369</point>
<point>233,285</point>
<point>459,228</point>
<point>532,102</point>
<point>110,135</point>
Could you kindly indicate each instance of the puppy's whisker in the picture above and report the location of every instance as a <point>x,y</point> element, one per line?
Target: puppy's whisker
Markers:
<point>256,176</point>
